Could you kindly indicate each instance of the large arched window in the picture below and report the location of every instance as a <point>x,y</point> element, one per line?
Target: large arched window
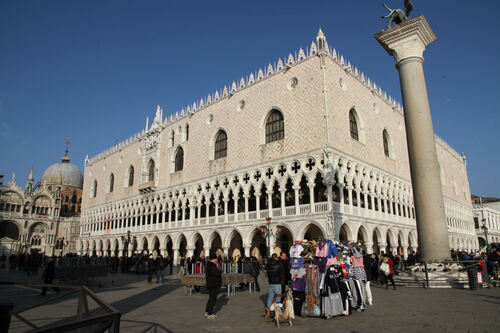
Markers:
<point>94,189</point>
<point>220,145</point>
<point>130,176</point>
<point>179,159</point>
<point>151,170</point>
<point>275,127</point>
<point>111,182</point>
<point>353,125</point>
<point>386,140</point>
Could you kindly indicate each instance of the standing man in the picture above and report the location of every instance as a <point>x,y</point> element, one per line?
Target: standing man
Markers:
<point>285,262</point>
<point>49,273</point>
<point>214,282</point>
<point>275,274</point>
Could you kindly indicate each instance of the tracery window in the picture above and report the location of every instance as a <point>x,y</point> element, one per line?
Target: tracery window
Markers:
<point>151,171</point>
<point>131,176</point>
<point>111,182</point>
<point>94,189</point>
<point>179,159</point>
<point>220,145</point>
<point>353,124</point>
<point>275,127</point>
<point>385,138</point>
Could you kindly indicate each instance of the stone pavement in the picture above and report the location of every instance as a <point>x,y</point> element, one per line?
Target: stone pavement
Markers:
<point>166,308</point>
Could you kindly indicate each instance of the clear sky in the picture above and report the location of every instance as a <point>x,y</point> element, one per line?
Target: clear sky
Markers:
<point>93,70</point>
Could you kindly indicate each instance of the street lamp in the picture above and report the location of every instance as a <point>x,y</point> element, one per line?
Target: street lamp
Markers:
<point>484,227</point>
<point>127,239</point>
<point>267,232</point>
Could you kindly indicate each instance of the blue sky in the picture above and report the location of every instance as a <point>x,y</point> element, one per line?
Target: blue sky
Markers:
<point>93,70</point>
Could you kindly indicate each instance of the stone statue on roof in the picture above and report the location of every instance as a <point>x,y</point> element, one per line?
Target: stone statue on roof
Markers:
<point>398,15</point>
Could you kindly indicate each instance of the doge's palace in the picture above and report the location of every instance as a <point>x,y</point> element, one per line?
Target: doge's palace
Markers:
<point>309,141</point>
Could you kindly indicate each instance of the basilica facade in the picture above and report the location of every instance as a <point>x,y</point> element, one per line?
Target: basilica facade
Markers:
<point>43,217</point>
<point>309,145</point>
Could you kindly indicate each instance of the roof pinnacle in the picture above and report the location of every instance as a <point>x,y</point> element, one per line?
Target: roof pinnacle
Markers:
<point>65,158</point>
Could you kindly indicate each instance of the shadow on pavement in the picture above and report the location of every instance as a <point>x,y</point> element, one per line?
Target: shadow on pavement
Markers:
<point>221,301</point>
<point>150,326</point>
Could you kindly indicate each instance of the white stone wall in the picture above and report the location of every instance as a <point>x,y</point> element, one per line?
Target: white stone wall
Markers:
<point>301,93</point>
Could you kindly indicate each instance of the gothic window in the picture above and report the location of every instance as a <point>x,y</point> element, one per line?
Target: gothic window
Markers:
<point>111,182</point>
<point>151,171</point>
<point>275,127</point>
<point>220,145</point>
<point>94,189</point>
<point>187,132</point>
<point>179,159</point>
<point>172,138</point>
<point>131,176</point>
<point>353,124</point>
<point>385,138</point>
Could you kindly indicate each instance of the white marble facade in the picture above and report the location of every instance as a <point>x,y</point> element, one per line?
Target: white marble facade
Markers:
<point>339,169</point>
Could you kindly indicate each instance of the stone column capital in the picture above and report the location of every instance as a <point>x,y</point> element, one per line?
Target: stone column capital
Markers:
<point>407,39</point>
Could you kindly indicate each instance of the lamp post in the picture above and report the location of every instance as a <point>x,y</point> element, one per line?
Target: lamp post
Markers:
<point>267,232</point>
<point>127,239</point>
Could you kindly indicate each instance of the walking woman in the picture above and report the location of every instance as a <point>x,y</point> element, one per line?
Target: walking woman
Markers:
<point>214,282</point>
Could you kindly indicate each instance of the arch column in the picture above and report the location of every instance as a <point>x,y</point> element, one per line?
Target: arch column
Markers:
<point>226,201</point>
<point>246,196</point>
<point>216,209</point>
<point>311,197</point>
<point>369,247</point>
<point>198,207</point>
<point>189,251</point>
<point>341,196</point>
<point>257,203</point>
<point>349,194</point>
<point>247,248</point>
<point>226,251</point>
<point>270,201</point>
<point>191,213</point>
<point>282,196</point>
<point>176,252</point>
<point>296,189</point>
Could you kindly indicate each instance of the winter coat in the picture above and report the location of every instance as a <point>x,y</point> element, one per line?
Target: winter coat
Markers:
<point>213,276</point>
<point>275,272</point>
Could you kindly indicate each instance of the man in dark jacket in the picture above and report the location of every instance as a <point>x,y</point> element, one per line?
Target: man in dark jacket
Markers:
<point>214,282</point>
<point>275,274</point>
<point>255,272</point>
<point>49,273</point>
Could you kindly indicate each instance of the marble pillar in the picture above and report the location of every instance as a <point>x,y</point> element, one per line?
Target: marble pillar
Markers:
<point>406,42</point>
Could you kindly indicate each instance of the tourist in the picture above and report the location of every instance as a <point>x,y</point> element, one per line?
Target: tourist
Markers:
<point>285,262</point>
<point>214,282</point>
<point>255,272</point>
<point>387,272</point>
<point>275,274</point>
<point>181,265</point>
<point>48,276</point>
<point>368,263</point>
<point>410,261</point>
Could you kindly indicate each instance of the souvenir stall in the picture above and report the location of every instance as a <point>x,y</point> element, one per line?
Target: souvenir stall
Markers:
<point>328,279</point>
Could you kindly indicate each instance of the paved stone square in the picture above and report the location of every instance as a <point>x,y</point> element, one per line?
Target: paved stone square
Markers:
<point>166,308</point>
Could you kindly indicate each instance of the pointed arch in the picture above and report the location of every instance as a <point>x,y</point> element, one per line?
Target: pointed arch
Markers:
<point>178,159</point>
<point>111,183</point>
<point>151,170</point>
<point>130,176</point>
<point>356,127</point>
<point>220,145</point>
<point>273,126</point>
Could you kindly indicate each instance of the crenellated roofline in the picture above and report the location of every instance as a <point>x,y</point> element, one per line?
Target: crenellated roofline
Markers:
<point>283,64</point>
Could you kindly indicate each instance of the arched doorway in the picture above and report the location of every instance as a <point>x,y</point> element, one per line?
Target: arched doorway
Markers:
<point>169,247</point>
<point>313,232</point>
<point>344,234</point>
<point>182,246</point>
<point>236,246</point>
<point>362,238</point>
<point>37,236</point>
<point>259,245</point>
<point>9,235</point>
<point>376,241</point>
<point>145,246</point>
<point>216,245</point>
<point>198,246</point>
<point>156,247</point>
<point>284,240</point>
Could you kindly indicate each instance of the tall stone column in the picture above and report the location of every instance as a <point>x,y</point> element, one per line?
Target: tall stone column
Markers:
<point>406,42</point>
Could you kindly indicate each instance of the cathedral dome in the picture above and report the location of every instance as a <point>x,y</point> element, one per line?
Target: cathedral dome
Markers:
<point>63,173</point>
